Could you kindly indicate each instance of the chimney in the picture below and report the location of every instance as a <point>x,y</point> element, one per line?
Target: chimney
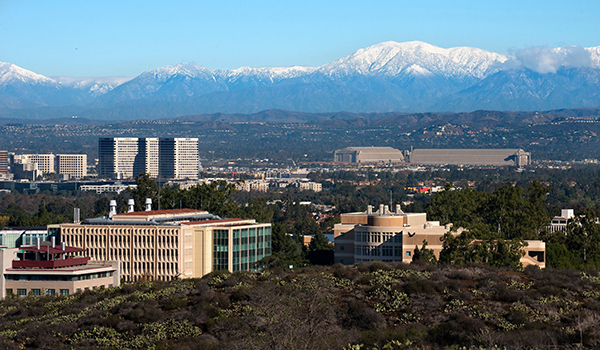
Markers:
<point>53,242</point>
<point>37,243</point>
<point>130,205</point>
<point>63,246</point>
<point>148,204</point>
<point>76,215</point>
<point>398,209</point>
<point>386,209</point>
<point>369,209</point>
<point>113,208</point>
<point>381,208</point>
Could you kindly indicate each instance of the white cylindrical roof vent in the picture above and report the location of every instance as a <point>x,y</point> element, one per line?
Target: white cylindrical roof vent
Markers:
<point>113,208</point>
<point>130,205</point>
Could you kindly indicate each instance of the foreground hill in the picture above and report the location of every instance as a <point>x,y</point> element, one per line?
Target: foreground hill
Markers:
<point>372,305</point>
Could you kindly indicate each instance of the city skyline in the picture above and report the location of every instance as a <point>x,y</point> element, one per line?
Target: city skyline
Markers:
<point>125,39</point>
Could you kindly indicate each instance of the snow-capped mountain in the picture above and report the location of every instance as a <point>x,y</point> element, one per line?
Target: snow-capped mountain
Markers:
<point>22,88</point>
<point>390,76</point>
<point>416,58</point>
<point>95,86</point>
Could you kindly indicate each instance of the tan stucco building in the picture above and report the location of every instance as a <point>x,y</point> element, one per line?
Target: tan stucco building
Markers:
<point>53,270</point>
<point>385,235</point>
<point>169,244</point>
<point>393,236</point>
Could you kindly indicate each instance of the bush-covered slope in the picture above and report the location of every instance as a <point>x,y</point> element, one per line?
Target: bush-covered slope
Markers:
<point>372,305</point>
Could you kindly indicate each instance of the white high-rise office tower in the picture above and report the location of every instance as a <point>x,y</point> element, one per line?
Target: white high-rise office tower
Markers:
<point>126,157</point>
<point>74,165</point>
<point>179,158</point>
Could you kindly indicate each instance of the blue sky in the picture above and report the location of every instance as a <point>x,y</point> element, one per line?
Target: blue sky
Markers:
<point>125,38</point>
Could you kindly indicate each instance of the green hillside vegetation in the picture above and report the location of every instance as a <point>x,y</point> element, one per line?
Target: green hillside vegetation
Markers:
<point>368,306</point>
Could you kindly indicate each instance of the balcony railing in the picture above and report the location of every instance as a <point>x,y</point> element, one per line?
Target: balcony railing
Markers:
<point>49,264</point>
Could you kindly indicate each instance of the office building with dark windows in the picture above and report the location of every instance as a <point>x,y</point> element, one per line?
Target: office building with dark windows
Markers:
<point>169,244</point>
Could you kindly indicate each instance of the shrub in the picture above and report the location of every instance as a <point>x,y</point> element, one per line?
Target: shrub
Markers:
<point>347,272</point>
<point>174,302</point>
<point>363,317</point>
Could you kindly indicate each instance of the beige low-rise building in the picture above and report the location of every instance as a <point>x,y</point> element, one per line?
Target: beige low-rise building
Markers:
<point>535,254</point>
<point>47,269</point>
<point>393,236</point>
<point>170,244</point>
<point>385,235</point>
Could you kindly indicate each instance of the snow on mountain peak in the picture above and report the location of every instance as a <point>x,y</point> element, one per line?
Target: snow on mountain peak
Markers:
<point>10,73</point>
<point>186,69</point>
<point>391,58</point>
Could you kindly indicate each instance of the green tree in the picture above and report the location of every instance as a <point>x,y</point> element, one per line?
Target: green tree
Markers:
<point>424,254</point>
<point>146,188</point>
<point>320,251</point>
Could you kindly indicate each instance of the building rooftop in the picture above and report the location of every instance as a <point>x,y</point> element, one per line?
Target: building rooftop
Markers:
<point>24,228</point>
<point>368,149</point>
<point>74,269</point>
<point>51,250</point>
<point>212,222</point>
<point>162,212</point>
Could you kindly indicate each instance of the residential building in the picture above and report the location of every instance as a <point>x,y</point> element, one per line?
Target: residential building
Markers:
<point>117,188</point>
<point>309,186</point>
<point>560,222</point>
<point>178,158</point>
<point>48,269</point>
<point>368,155</point>
<point>252,186</point>
<point>72,165</point>
<point>170,244</point>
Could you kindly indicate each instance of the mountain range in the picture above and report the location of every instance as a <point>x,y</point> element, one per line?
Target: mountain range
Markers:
<point>390,76</point>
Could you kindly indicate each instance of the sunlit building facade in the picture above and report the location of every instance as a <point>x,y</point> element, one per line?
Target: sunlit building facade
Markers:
<point>170,244</point>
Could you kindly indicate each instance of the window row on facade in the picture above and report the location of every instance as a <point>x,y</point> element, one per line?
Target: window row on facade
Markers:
<point>382,250</point>
<point>57,277</point>
<point>378,237</point>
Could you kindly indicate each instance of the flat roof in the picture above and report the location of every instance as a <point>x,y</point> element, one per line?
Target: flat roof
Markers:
<point>24,228</point>
<point>246,224</point>
<point>212,221</point>
<point>368,149</point>
<point>77,269</point>
<point>161,212</point>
